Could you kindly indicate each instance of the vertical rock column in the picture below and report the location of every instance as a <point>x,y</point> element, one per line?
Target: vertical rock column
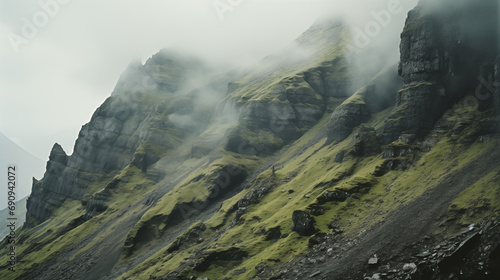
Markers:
<point>443,46</point>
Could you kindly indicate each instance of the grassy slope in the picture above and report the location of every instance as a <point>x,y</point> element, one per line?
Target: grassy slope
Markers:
<point>46,241</point>
<point>306,165</point>
<point>254,87</point>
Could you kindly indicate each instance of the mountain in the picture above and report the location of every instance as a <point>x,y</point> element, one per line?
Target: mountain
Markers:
<point>28,166</point>
<point>296,168</point>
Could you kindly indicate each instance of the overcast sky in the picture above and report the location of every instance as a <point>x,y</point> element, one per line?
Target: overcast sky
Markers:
<point>59,63</point>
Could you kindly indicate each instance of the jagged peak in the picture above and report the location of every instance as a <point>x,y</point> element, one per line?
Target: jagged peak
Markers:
<point>58,154</point>
<point>57,149</point>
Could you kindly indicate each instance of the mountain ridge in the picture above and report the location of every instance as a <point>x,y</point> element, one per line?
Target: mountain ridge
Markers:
<point>185,172</point>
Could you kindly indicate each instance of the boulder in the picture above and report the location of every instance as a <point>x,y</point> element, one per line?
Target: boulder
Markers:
<point>273,233</point>
<point>336,195</point>
<point>303,223</point>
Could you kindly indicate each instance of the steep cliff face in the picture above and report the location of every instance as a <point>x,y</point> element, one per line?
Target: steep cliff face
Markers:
<point>137,124</point>
<point>293,169</point>
<point>443,47</point>
<point>496,97</point>
<point>47,198</point>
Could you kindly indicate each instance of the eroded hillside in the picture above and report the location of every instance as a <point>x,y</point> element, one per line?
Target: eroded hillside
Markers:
<point>296,168</point>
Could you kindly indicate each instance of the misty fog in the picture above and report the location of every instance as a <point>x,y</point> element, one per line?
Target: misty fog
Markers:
<point>62,59</point>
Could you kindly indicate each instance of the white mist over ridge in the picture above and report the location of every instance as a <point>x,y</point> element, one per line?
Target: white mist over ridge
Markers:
<point>52,85</point>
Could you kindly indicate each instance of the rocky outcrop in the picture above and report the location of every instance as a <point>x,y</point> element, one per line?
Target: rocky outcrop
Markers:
<point>375,97</point>
<point>273,233</point>
<point>303,223</point>
<point>45,197</point>
<point>254,196</point>
<point>267,124</point>
<point>104,145</point>
<point>496,97</point>
<point>133,126</point>
<point>273,110</point>
<point>96,204</point>
<point>365,143</point>
<point>192,236</point>
<point>336,195</point>
<point>346,117</point>
<point>471,255</point>
<point>330,79</point>
<point>442,48</point>
<point>231,254</point>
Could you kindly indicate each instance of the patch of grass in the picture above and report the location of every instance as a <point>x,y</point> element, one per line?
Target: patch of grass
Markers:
<point>43,243</point>
<point>478,202</point>
<point>416,86</point>
<point>191,194</point>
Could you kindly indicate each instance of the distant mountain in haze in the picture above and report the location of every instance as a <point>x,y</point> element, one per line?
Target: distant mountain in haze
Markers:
<point>28,166</point>
<point>20,214</point>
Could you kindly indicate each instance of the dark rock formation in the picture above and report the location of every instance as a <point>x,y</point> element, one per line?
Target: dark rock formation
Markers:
<point>330,79</point>
<point>303,223</point>
<point>336,195</point>
<point>192,236</point>
<point>129,127</point>
<point>442,49</point>
<point>334,226</point>
<point>316,209</point>
<point>462,250</point>
<point>273,233</point>
<point>231,254</point>
<point>496,97</point>
<point>346,117</point>
<point>292,104</point>
<point>97,204</point>
<point>132,168</point>
<point>317,239</point>
<point>400,150</point>
<point>41,203</point>
<point>365,143</point>
<point>104,144</point>
<point>256,193</point>
<point>339,158</point>
<point>471,255</point>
